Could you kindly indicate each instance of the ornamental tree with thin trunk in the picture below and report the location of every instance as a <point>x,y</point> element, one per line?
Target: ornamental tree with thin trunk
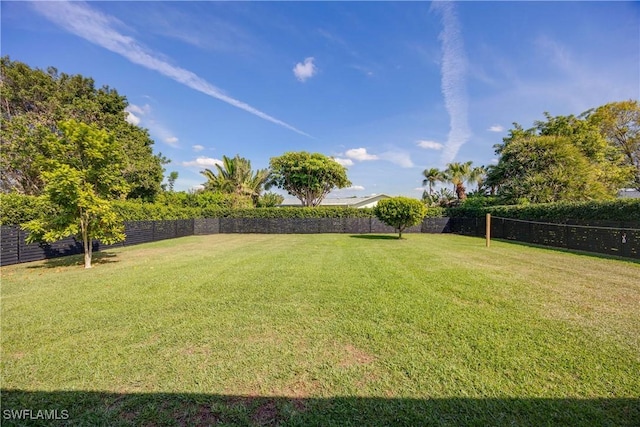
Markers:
<point>307,176</point>
<point>400,212</point>
<point>82,176</point>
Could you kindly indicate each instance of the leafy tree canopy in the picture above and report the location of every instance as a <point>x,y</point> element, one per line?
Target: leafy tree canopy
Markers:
<point>307,176</point>
<point>563,158</point>
<point>400,212</point>
<point>619,123</point>
<point>81,178</point>
<point>34,101</point>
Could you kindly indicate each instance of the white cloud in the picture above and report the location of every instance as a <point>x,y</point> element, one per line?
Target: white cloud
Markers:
<point>136,109</point>
<point>343,162</point>
<point>399,158</point>
<point>171,140</point>
<point>197,147</point>
<point>203,162</point>
<point>354,188</point>
<point>496,128</point>
<point>360,154</point>
<point>430,145</point>
<point>306,70</point>
<point>453,70</point>
<point>98,28</point>
<point>132,118</point>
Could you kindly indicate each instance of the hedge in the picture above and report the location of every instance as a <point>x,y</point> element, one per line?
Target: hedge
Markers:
<point>17,209</point>
<point>614,210</point>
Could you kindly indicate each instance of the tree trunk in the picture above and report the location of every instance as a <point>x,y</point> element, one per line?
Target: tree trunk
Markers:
<point>87,243</point>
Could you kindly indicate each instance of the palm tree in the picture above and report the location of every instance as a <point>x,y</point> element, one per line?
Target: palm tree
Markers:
<point>493,179</point>
<point>431,176</point>
<point>478,175</point>
<point>457,174</point>
<point>236,177</point>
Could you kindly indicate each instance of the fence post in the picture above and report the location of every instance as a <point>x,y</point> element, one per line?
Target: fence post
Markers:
<point>488,230</point>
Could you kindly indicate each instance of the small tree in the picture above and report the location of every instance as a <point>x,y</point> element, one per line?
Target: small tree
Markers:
<point>400,212</point>
<point>307,176</point>
<point>82,176</point>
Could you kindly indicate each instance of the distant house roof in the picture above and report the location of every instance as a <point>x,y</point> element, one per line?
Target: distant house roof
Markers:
<point>629,193</point>
<point>351,202</point>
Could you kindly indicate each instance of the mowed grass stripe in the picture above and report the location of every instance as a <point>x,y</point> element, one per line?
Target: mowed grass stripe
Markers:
<point>432,316</point>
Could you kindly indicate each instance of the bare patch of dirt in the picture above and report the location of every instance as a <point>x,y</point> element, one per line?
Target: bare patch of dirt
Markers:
<point>194,349</point>
<point>354,356</point>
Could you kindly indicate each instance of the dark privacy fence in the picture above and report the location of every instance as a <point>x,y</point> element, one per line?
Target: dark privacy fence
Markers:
<point>621,239</point>
<point>617,238</point>
<point>15,250</point>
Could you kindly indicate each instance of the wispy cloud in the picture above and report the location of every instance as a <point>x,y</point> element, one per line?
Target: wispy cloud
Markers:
<point>496,128</point>
<point>400,158</point>
<point>80,19</point>
<point>430,145</point>
<point>354,188</point>
<point>453,71</point>
<point>306,70</point>
<point>197,147</point>
<point>203,162</point>
<point>143,116</point>
<point>360,154</point>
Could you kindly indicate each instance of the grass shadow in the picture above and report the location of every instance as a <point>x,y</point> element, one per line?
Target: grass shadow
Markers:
<point>76,260</point>
<point>373,237</point>
<point>183,409</point>
<point>570,251</point>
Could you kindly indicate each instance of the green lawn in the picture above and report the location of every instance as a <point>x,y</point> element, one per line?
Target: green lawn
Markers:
<point>324,330</point>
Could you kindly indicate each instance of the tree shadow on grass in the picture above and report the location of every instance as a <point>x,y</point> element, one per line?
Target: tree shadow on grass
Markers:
<point>186,409</point>
<point>374,237</point>
<point>77,260</point>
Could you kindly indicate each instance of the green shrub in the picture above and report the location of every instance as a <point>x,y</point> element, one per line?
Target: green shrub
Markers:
<point>614,210</point>
<point>400,212</point>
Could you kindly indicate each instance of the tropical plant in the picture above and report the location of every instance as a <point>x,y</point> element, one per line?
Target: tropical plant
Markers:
<point>270,200</point>
<point>235,176</point>
<point>478,175</point>
<point>431,177</point>
<point>457,174</point>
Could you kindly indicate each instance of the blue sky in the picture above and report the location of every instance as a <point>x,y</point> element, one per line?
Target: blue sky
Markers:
<point>387,88</point>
